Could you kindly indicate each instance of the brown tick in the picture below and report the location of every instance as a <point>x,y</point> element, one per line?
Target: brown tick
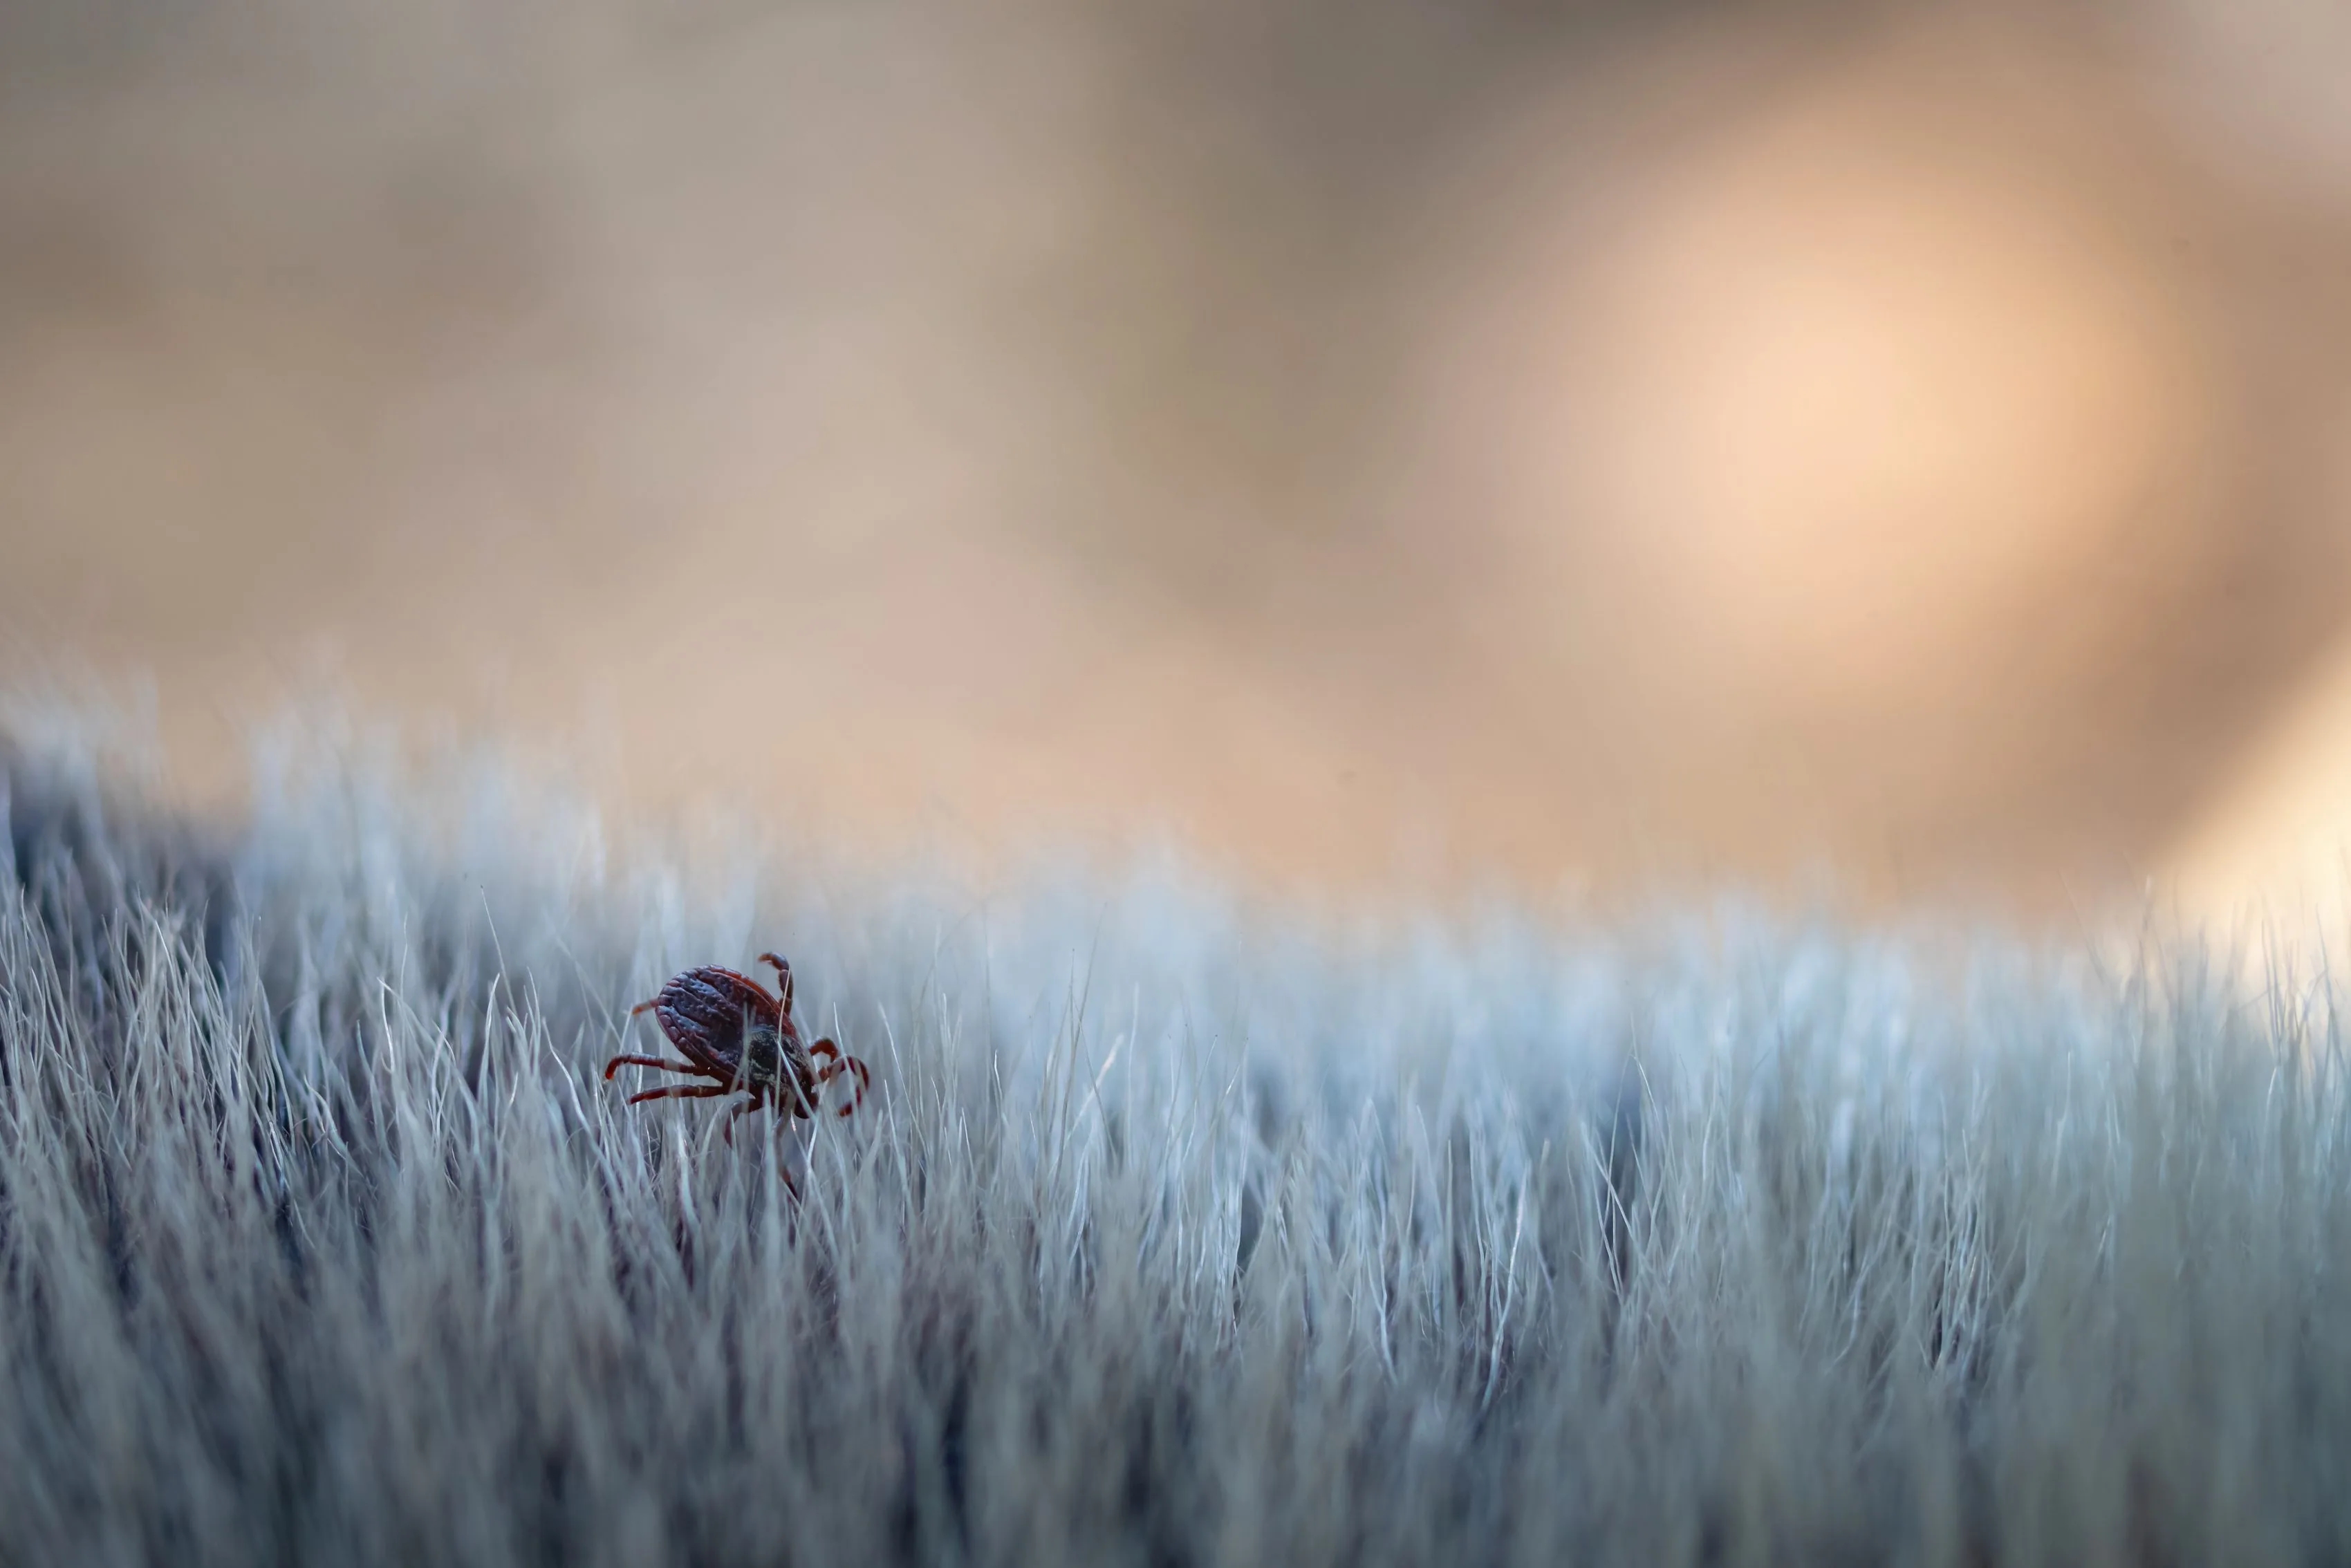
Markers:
<point>729,1029</point>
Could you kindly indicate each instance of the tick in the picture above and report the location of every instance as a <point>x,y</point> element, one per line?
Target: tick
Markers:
<point>729,1029</point>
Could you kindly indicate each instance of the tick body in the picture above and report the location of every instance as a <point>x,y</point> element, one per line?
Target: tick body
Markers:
<point>730,1030</point>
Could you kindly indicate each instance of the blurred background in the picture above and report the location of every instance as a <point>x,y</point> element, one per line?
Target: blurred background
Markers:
<point>1389,445</point>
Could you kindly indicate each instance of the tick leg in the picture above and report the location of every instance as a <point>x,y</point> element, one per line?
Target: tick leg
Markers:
<point>644,1006</point>
<point>783,978</point>
<point>783,1149</point>
<point>834,1069</point>
<point>727,1128</point>
<point>826,1075</point>
<point>682,1092</point>
<point>620,1061</point>
<point>791,1100</point>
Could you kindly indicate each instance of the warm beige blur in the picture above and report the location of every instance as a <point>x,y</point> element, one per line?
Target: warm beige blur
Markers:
<point>1373,451</point>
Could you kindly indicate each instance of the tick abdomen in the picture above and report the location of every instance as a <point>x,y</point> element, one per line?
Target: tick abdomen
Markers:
<point>715,1009</point>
